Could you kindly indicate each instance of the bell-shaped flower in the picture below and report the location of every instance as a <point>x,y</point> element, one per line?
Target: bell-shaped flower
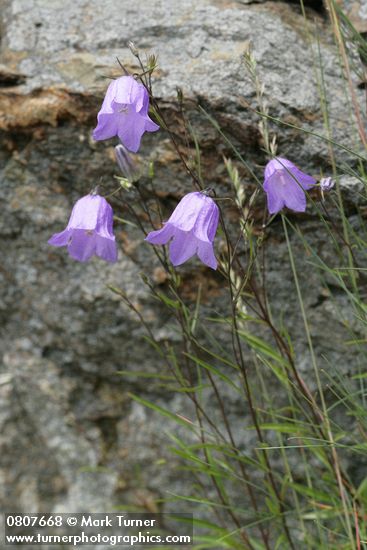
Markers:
<point>89,231</point>
<point>124,113</point>
<point>285,185</point>
<point>191,230</point>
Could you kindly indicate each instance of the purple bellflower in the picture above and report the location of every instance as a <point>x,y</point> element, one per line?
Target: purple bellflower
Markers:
<point>285,185</point>
<point>89,231</point>
<point>124,113</point>
<point>191,230</point>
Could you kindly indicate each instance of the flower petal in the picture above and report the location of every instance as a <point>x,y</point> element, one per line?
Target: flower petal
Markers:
<point>106,127</point>
<point>182,248</point>
<point>186,213</point>
<point>83,245</point>
<point>150,126</point>
<point>206,254</point>
<point>107,105</point>
<point>273,195</point>
<point>104,225</point>
<point>294,197</point>
<point>162,236</point>
<point>60,239</point>
<point>130,129</point>
<point>89,213</point>
<point>130,92</point>
<point>206,223</point>
<point>106,248</point>
<point>302,179</point>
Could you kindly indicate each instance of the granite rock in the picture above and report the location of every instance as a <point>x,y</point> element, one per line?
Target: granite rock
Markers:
<point>71,436</point>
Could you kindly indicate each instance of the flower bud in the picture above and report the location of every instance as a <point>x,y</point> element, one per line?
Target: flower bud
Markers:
<point>326,184</point>
<point>133,48</point>
<point>126,163</point>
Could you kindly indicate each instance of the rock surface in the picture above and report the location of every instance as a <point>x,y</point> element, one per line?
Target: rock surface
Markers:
<point>71,437</point>
<point>356,11</point>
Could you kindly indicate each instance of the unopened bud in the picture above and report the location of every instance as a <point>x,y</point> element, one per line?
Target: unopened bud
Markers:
<point>326,184</point>
<point>134,50</point>
<point>126,163</point>
<point>152,62</point>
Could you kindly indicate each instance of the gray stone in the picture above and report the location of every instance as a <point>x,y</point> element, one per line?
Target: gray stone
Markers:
<point>356,11</point>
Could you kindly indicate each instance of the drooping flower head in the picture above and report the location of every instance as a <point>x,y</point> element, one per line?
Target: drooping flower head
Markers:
<point>285,185</point>
<point>124,113</point>
<point>89,231</point>
<point>191,230</point>
<point>326,184</point>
